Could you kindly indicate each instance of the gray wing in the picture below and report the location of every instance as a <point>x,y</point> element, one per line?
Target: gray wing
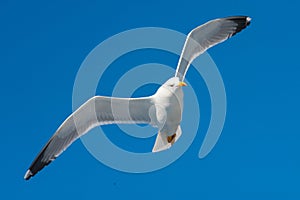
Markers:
<point>96,111</point>
<point>206,36</point>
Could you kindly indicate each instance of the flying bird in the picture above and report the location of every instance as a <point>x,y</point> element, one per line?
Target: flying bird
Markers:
<point>162,110</point>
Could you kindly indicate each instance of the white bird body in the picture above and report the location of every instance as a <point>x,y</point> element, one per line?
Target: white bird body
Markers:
<point>168,102</point>
<point>169,106</point>
<point>162,110</point>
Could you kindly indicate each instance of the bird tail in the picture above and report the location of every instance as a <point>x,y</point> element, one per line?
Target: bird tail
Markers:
<point>163,142</point>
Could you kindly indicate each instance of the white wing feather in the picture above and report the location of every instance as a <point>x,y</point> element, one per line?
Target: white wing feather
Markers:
<point>206,36</point>
<point>96,111</point>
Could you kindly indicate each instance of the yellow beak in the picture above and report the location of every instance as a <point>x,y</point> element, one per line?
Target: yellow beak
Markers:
<point>182,84</point>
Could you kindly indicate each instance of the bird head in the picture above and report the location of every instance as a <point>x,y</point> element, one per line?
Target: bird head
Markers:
<point>173,86</point>
<point>174,83</point>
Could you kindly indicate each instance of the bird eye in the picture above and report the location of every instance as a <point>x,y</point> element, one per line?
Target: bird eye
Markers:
<point>172,85</point>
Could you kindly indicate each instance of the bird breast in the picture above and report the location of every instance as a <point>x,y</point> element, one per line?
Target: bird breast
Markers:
<point>168,106</point>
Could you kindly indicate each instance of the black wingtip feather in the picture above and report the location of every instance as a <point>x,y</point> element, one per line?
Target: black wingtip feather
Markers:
<point>37,165</point>
<point>241,21</point>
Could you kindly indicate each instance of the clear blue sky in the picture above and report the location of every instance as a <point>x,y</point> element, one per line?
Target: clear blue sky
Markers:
<point>42,45</point>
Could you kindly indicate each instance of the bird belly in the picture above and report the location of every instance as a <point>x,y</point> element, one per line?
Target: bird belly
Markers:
<point>168,116</point>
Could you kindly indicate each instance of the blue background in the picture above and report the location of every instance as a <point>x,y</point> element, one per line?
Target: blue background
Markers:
<point>42,45</point>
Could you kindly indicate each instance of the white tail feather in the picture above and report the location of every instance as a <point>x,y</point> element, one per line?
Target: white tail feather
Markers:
<point>161,142</point>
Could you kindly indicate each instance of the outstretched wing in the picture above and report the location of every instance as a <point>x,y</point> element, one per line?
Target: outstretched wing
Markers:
<point>96,111</point>
<point>206,36</point>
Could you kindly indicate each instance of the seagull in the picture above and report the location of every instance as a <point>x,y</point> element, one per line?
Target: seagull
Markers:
<point>162,109</point>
